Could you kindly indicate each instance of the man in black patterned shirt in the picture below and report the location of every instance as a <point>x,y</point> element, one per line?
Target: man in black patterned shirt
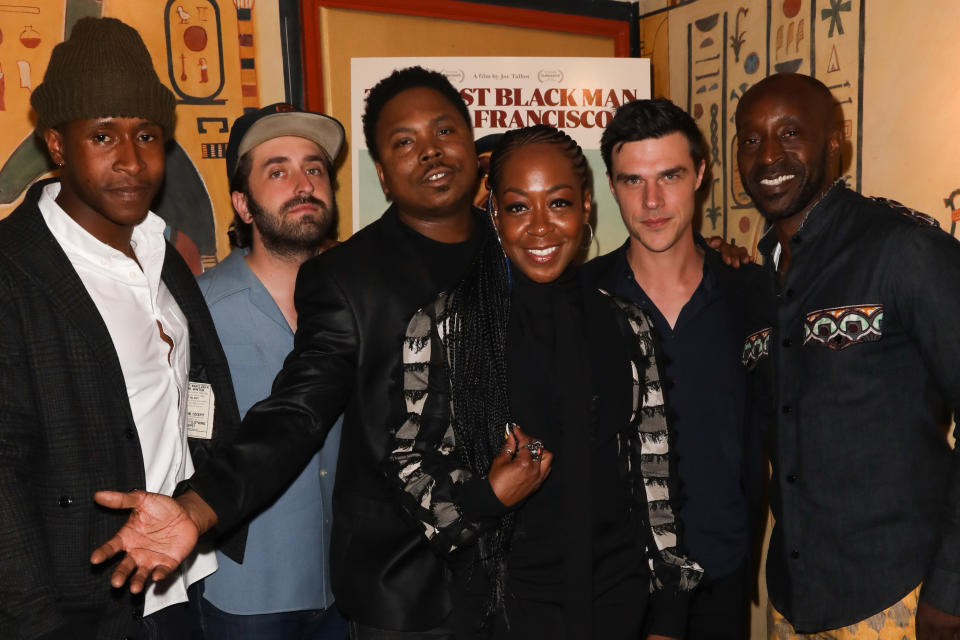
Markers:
<point>848,347</point>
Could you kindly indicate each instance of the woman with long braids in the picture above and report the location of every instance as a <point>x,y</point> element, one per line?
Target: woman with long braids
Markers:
<point>523,366</point>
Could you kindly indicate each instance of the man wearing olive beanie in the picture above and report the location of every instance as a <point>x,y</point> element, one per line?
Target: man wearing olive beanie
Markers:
<point>105,341</point>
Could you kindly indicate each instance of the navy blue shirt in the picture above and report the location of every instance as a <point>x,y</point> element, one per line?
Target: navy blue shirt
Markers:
<point>855,355</point>
<point>706,396</point>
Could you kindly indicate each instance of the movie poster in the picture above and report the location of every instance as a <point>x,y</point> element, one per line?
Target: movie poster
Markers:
<point>578,95</point>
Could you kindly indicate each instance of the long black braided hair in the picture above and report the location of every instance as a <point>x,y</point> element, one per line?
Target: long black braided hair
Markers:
<point>475,324</point>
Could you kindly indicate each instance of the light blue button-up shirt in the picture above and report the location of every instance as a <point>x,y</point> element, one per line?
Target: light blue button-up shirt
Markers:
<point>286,565</point>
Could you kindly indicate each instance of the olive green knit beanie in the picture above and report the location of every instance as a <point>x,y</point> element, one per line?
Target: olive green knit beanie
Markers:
<point>102,70</point>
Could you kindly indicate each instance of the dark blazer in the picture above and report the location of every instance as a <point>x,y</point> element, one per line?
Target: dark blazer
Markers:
<point>66,431</point>
<point>353,305</point>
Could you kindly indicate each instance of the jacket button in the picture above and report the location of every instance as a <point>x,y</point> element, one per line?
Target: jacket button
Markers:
<point>785,408</point>
<point>794,554</point>
<point>65,501</point>
<point>792,478</point>
<point>129,433</point>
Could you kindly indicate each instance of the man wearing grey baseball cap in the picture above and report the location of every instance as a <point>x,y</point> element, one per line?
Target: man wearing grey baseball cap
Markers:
<point>280,163</point>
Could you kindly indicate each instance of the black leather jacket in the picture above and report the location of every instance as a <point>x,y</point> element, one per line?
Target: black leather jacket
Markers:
<point>353,304</point>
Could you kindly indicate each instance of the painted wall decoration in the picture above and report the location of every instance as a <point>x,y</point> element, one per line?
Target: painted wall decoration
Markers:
<point>649,6</point>
<point>203,50</point>
<point>952,202</point>
<point>719,49</point>
<point>191,39</point>
<point>29,32</point>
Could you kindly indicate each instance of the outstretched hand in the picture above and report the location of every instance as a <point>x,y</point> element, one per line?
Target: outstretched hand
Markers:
<point>519,469</point>
<point>933,624</point>
<point>730,253</point>
<point>157,537</point>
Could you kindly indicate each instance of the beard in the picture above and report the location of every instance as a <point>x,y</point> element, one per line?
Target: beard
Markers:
<point>298,237</point>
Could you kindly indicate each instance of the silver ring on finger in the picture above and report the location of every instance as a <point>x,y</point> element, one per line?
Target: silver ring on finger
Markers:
<point>535,447</point>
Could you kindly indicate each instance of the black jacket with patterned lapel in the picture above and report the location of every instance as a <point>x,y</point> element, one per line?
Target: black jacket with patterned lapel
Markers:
<point>66,431</point>
<point>353,305</point>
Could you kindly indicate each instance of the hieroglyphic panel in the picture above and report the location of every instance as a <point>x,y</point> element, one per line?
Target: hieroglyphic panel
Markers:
<point>706,88</point>
<point>727,47</point>
<point>194,47</point>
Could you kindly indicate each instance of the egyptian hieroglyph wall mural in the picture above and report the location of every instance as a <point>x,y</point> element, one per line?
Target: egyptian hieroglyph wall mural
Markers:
<point>884,62</point>
<point>718,49</point>
<point>210,53</point>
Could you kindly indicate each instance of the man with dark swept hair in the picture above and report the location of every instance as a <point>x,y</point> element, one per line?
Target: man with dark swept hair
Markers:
<point>656,159</point>
<point>353,304</point>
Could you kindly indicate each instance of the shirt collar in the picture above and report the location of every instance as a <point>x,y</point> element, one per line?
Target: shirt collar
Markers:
<point>814,222</point>
<point>233,275</point>
<point>82,248</point>
<point>146,239</point>
<point>709,283</point>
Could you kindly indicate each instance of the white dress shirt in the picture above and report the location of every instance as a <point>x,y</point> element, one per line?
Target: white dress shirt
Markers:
<point>132,300</point>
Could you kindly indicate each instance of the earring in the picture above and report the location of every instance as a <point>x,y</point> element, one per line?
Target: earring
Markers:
<point>590,229</point>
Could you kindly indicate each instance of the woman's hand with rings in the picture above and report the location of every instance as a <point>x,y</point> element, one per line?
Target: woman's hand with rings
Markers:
<point>520,469</point>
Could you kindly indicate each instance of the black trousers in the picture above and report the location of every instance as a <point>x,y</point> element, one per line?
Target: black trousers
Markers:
<point>176,622</point>
<point>362,632</point>
<point>720,609</point>
<point>616,615</point>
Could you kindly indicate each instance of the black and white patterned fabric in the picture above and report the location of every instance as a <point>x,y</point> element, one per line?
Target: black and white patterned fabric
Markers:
<point>650,452</point>
<point>424,460</point>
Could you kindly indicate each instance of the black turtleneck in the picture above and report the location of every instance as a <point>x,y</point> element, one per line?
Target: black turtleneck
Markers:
<point>446,262</point>
<point>569,382</point>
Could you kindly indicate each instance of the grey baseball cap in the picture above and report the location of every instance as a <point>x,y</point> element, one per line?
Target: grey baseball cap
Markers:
<point>282,119</point>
